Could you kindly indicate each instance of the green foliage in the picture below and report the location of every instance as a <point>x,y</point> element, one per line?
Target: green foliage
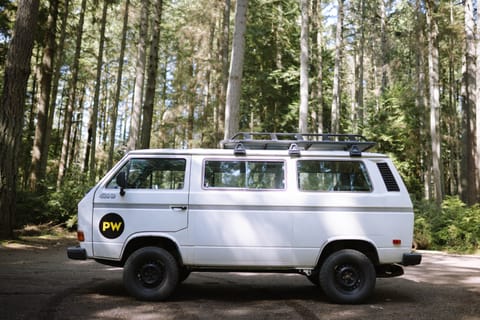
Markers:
<point>58,207</point>
<point>453,227</point>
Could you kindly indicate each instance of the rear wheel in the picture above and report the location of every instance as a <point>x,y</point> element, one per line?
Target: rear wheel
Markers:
<point>151,274</point>
<point>347,276</point>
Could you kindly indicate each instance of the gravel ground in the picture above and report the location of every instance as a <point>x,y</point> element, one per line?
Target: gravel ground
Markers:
<point>38,281</point>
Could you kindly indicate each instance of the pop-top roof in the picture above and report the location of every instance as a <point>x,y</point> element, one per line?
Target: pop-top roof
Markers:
<point>295,142</point>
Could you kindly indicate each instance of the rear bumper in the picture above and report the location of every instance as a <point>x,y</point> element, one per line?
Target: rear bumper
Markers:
<point>77,253</point>
<point>411,259</point>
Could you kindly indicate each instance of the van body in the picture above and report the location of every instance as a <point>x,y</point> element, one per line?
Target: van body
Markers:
<point>326,209</point>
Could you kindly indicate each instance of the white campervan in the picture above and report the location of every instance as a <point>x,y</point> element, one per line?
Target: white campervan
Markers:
<point>316,204</point>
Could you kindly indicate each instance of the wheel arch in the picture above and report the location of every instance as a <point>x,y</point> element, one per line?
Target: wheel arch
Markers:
<point>363,246</point>
<point>155,241</point>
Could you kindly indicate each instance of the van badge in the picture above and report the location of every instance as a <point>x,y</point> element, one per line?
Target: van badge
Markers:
<point>107,196</point>
<point>111,225</point>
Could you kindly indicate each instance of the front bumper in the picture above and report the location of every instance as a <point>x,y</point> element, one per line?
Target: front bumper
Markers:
<point>77,253</point>
<point>411,259</point>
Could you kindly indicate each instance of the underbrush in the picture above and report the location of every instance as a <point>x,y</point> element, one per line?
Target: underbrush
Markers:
<point>51,207</point>
<point>454,227</point>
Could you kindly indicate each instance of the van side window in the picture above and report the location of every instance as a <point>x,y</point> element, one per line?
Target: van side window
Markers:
<point>242,174</point>
<point>325,175</point>
<point>153,173</point>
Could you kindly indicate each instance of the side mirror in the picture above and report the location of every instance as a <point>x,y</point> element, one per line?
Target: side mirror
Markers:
<point>122,182</point>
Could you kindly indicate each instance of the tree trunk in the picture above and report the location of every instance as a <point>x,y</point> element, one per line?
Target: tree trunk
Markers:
<point>12,104</point>
<point>304,57</point>
<point>55,83</point>
<point>359,112</point>
<point>96,97</point>
<point>234,88</point>
<point>477,110</point>
<point>71,98</point>
<point>421,98</point>
<point>133,140</point>
<point>336,102</point>
<point>433,74</point>
<point>225,40</point>
<point>37,172</point>
<point>151,76</point>
<point>318,86</point>
<point>118,88</point>
<point>469,190</point>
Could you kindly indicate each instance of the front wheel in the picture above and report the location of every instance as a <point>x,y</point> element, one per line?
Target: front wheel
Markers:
<point>150,274</point>
<point>347,276</point>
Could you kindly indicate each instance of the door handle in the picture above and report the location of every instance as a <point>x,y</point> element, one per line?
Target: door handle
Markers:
<point>178,208</point>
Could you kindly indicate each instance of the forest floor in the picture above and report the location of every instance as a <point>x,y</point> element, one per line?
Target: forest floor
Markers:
<point>38,281</point>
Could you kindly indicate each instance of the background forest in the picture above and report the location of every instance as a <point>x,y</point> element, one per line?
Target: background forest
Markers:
<point>106,77</point>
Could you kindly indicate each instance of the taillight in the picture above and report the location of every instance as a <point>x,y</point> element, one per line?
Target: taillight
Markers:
<point>397,242</point>
<point>80,236</point>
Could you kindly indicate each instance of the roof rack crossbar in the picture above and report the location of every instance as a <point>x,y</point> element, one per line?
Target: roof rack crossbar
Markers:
<point>354,143</point>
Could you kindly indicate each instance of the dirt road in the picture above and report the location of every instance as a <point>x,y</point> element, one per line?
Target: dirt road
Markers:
<point>39,282</point>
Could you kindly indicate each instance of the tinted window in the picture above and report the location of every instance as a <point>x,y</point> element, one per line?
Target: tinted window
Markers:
<point>323,175</point>
<point>152,173</point>
<point>244,174</point>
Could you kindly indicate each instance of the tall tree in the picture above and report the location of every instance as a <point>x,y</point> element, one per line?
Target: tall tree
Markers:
<point>116,101</point>
<point>71,97</point>
<point>59,61</point>
<point>336,101</point>
<point>152,72</point>
<point>232,107</point>
<point>469,177</point>
<point>304,57</point>
<point>225,39</point>
<point>433,80</point>
<point>96,98</point>
<point>317,87</point>
<point>12,104</point>
<point>37,171</point>
<point>141,59</point>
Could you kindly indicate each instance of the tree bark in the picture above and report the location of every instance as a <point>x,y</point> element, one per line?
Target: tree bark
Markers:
<point>118,88</point>
<point>225,40</point>
<point>304,57</point>
<point>318,86</point>
<point>12,104</point>
<point>96,98</point>
<point>433,75</point>
<point>469,188</point>
<point>336,99</point>
<point>71,98</point>
<point>234,88</point>
<point>151,76</point>
<point>37,171</point>
<point>133,140</point>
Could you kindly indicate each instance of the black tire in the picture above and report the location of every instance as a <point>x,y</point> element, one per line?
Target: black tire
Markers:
<point>150,274</point>
<point>183,274</point>
<point>347,276</point>
<point>314,278</point>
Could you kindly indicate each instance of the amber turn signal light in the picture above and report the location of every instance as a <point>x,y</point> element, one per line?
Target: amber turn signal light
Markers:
<point>80,236</point>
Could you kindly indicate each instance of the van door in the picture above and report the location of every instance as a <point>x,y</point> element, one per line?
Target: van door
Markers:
<point>239,216</point>
<point>155,199</point>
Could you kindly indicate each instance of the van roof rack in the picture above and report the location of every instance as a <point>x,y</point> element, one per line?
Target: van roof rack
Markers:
<point>295,142</point>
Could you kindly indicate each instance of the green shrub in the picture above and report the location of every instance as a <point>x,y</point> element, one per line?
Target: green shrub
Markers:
<point>58,207</point>
<point>453,227</point>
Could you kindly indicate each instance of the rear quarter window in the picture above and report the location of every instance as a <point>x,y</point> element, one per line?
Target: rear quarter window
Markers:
<point>332,176</point>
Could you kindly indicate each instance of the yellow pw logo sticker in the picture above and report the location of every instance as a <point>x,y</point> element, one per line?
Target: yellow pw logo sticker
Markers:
<point>111,225</point>
<point>114,226</point>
